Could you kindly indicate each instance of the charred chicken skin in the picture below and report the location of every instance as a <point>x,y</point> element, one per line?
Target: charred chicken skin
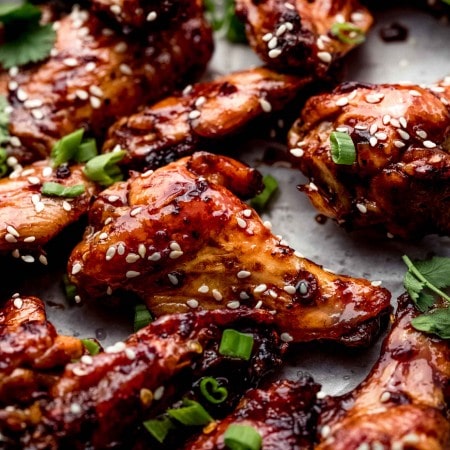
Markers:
<point>97,74</point>
<point>403,404</point>
<point>399,182</point>
<point>201,116</point>
<point>100,401</point>
<point>296,35</point>
<point>181,239</point>
<point>284,415</point>
<point>26,229</point>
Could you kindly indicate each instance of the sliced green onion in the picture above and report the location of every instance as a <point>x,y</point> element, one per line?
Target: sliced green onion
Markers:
<point>69,288</point>
<point>348,33</point>
<point>142,317</point>
<point>64,150</point>
<point>242,437</point>
<point>342,148</point>
<point>59,190</point>
<point>270,187</point>
<point>234,28</point>
<point>212,391</point>
<point>86,150</point>
<point>103,168</point>
<point>192,414</point>
<point>91,346</point>
<point>3,166</point>
<point>236,344</point>
<point>159,428</point>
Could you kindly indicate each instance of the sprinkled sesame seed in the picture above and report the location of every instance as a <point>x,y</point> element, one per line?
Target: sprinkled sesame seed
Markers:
<point>437,89</point>
<point>377,445</point>
<point>132,258</point>
<point>373,128</point>
<point>13,85</point>
<point>325,57</point>
<point>37,114</point>
<point>27,258</point>
<point>247,213</point>
<point>235,304</point>
<point>373,141</point>
<point>151,16</point>
<point>95,90</point>
<point>192,303</point>
<point>126,69</point>
<point>241,222</point>
<point>297,152</point>
<point>258,304</point>
<point>325,431</point>
<point>260,288</point>
<point>376,283</point>
<point>195,114</point>
<point>134,212</point>
<point>274,53</point>
<point>116,9</point>
<point>90,66</point>
<point>244,274</point>
<point>66,205</point>
<point>43,260</point>
<point>110,253</point>
<point>396,445</point>
<point>173,279</point>
<point>422,134</point>
<point>289,6</point>
<point>203,289</point>
<point>385,397</point>
<point>267,37</point>
<point>429,144</point>
<point>342,101</point>
<point>342,129</point>
<point>386,119</point>
<point>158,393</point>
<point>361,208</point>
<point>47,171</point>
<point>76,268</point>
<point>399,144</point>
<point>174,254</point>
<point>312,187</point>
<point>154,256</point>
<point>411,438</point>
<point>75,408</point>
<point>12,230</point>
<point>374,98</point>
<point>243,295</point>
<point>130,354</point>
<point>87,359</point>
<point>29,239</point>
<point>290,289</point>
<point>217,295</point>
<point>364,446</point>
<point>286,337</point>
<point>403,122</point>
<point>39,207</point>
<point>200,101</point>
<point>33,103</point>
<point>395,123</point>
<point>403,134</point>
<point>70,62</point>
<point>21,95</point>
<point>10,238</point>
<point>381,136</point>
<point>265,105</point>
<point>103,236</point>
<point>188,89</point>
<point>415,93</point>
<point>96,103</point>
<point>121,47</point>
<point>13,71</point>
<point>116,348</point>
<point>361,127</point>
<point>132,274</point>
<point>18,303</point>
<point>272,43</point>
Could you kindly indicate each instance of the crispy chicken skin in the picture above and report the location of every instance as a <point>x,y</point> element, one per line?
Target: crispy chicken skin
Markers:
<point>100,401</point>
<point>403,404</point>
<point>29,346</point>
<point>283,414</point>
<point>97,75</point>
<point>25,229</point>
<point>201,116</point>
<point>179,238</point>
<point>400,182</point>
<point>295,35</point>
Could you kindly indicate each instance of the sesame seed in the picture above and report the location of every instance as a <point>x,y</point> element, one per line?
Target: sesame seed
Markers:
<point>362,209</point>
<point>173,279</point>
<point>175,254</point>
<point>377,445</point>
<point>290,289</point>
<point>132,274</point>
<point>33,103</point>
<point>110,253</point>
<point>126,69</point>
<point>403,122</point>
<point>364,446</point>
<point>415,93</point>
<point>13,85</point>
<point>241,223</point>
<point>325,57</point>
<point>195,114</point>
<point>29,239</point>
<point>39,207</point>
<point>18,303</point>
<point>217,295</point>
<point>411,439</point>
<point>297,152</point>
<point>385,397</point>
<point>27,259</point>
<point>243,295</point>
<point>395,123</point>
<point>47,171</point>
<point>312,187</point>
<point>43,260</point>
<point>267,37</point>
<point>12,230</point>
<point>247,213</point>
<point>116,9</point>
<point>376,283</point>
<point>272,293</point>
<point>10,238</point>
<point>361,127</point>
<point>200,102</point>
<point>70,62</point>
<point>235,304</point>
<point>90,66</point>
<point>103,236</point>
<point>159,392</point>
<point>116,348</point>
<point>399,144</point>
<point>187,90</point>
<point>265,105</point>
<point>397,446</point>
<point>130,354</point>
<point>437,89</point>
<point>66,206</point>
<point>374,98</point>
<point>151,16</point>
<point>274,53</point>
<point>403,134</point>
<point>75,408</point>
<point>76,268</point>
<point>142,250</point>
<point>386,119</point>
<point>203,289</point>
<point>175,246</point>
<point>96,103</point>
<point>381,136</point>
<point>272,43</point>
<point>21,95</point>
<point>87,359</point>
<point>135,211</point>
<point>121,47</point>
<point>373,141</point>
<point>192,303</point>
<point>37,114</point>
<point>243,274</point>
<point>289,6</point>
<point>132,258</point>
<point>343,129</point>
<point>429,144</point>
<point>373,128</point>
<point>14,71</point>
<point>325,431</point>
<point>260,288</point>
<point>357,16</point>
<point>258,304</point>
<point>321,395</point>
<point>342,101</point>
<point>154,256</point>
<point>15,142</point>
<point>95,90</point>
<point>286,337</point>
<point>422,134</point>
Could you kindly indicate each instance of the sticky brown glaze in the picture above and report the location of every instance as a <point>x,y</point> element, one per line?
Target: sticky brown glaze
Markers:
<point>179,238</point>
<point>30,346</point>
<point>400,180</point>
<point>29,219</point>
<point>295,35</point>
<point>403,404</point>
<point>100,401</point>
<point>284,415</point>
<point>201,116</point>
<point>96,75</point>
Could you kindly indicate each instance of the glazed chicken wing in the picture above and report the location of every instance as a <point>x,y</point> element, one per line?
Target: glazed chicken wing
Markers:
<point>283,415</point>
<point>180,239</point>
<point>96,75</point>
<point>296,35</point>
<point>400,181</point>
<point>100,401</point>
<point>403,404</point>
<point>28,218</point>
<point>201,116</point>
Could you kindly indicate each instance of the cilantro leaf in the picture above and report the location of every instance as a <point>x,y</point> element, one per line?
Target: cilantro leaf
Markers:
<point>413,286</point>
<point>4,119</point>
<point>436,322</point>
<point>436,271</point>
<point>33,44</point>
<point>12,12</point>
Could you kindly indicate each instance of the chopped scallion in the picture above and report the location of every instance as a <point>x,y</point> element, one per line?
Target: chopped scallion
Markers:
<point>142,317</point>
<point>348,33</point>
<point>86,150</point>
<point>242,437</point>
<point>192,414</point>
<point>261,200</point>
<point>3,166</point>
<point>342,148</point>
<point>236,344</point>
<point>59,190</point>
<point>159,428</point>
<point>91,346</point>
<point>69,288</point>
<point>104,169</point>
<point>65,149</point>
<point>212,391</point>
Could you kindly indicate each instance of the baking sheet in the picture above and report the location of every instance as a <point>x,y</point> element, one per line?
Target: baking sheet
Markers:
<point>424,57</point>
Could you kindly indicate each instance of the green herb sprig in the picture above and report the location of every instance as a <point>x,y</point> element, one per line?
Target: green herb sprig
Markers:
<point>424,282</point>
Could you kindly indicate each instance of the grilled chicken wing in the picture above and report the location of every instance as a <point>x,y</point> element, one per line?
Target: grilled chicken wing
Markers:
<point>296,35</point>
<point>96,75</point>
<point>201,116</point>
<point>101,400</point>
<point>403,404</point>
<point>400,181</point>
<point>30,219</point>
<point>30,346</point>
<point>284,415</point>
<point>180,239</point>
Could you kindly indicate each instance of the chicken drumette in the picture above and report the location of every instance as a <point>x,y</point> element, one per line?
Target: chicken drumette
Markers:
<point>180,239</point>
<point>202,116</point>
<point>400,180</point>
<point>301,35</point>
<point>97,74</point>
<point>403,404</point>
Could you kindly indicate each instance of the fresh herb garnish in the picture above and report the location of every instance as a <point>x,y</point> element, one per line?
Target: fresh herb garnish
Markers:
<point>91,346</point>
<point>236,344</point>
<point>142,317</point>
<point>65,149</point>
<point>342,148</point>
<point>260,201</point>
<point>103,169</point>
<point>223,18</point>
<point>53,189</point>
<point>423,282</point>
<point>25,40</point>
<point>212,391</point>
<point>4,120</point>
<point>348,33</point>
<point>242,437</point>
<point>3,165</point>
<point>159,428</point>
<point>69,288</point>
<point>191,414</point>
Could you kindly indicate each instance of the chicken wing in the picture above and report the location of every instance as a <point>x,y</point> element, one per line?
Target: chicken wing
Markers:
<point>403,404</point>
<point>101,401</point>
<point>180,239</point>
<point>284,415</point>
<point>400,180</point>
<point>300,36</point>
<point>96,75</point>
<point>201,116</point>
<point>28,218</point>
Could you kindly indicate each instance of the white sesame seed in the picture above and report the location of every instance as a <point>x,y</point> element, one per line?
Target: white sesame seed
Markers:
<point>132,258</point>
<point>312,187</point>
<point>103,236</point>
<point>373,128</point>
<point>174,254</point>
<point>381,136</point>
<point>135,211</point>
<point>116,348</point>
<point>265,105</point>
<point>192,303</point>
<point>173,279</point>
<point>110,253</point>
<point>29,239</point>
<point>158,393</point>
<point>132,274</point>
<point>386,119</point>
<point>121,47</point>
<point>87,359</point>
<point>12,230</point>
<point>37,114</point>
<point>399,144</point>
<point>43,260</point>
<point>267,37</point>
<point>200,101</point>
<point>13,71</point>
<point>272,43</point>
<point>235,304</point>
<point>342,101</point>
<point>90,66</point>
<point>217,295</point>
<point>195,114</point>
<point>116,9</point>
<point>411,439</point>
<point>75,408</point>
<point>325,57</point>
<point>429,144</point>
<point>376,283</point>
<point>76,268</point>
<point>96,103</point>
<point>243,295</point>
<point>13,85</point>
<point>27,259</point>
<point>272,293</point>
<point>18,303</point>
<point>66,205</point>
<point>415,93</point>
<point>361,127</point>
<point>154,256</point>
<point>289,6</point>
<point>403,122</point>
<point>95,90</point>
<point>357,16</point>
<point>33,103</point>
<point>373,141</point>
<point>10,238</point>
<point>385,397</point>
<point>47,171</point>
<point>362,209</point>
<point>267,224</point>
<point>258,304</point>
<point>39,207</point>
<point>187,90</point>
<point>151,16</point>
<point>247,213</point>
<point>422,134</point>
<point>126,69</point>
<point>244,274</point>
<point>403,134</point>
<point>15,142</point>
<point>70,62</point>
<point>21,95</point>
<point>396,445</point>
<point>203,289</point>
<point>437,89</point>
<point>286,337</point>
<point>260,288</point>
<point>364,446</point>
<point>274,53</point>
<point>130,354</point>
<point>281,30</point>
<point>377,445</point>
<point>241,222</point>
<point>297,152</point>
<point>374,98</point>
<point>325,431</point>
<point>290,289</point>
